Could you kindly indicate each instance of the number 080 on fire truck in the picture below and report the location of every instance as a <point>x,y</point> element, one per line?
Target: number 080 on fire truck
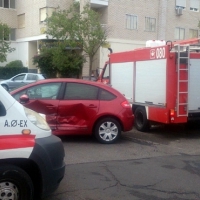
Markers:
<point>31,158</point>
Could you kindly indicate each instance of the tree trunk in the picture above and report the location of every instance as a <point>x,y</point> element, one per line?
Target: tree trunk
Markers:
<point>90,67</point>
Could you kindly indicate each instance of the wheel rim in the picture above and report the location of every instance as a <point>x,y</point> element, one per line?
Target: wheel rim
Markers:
<point>108,131</point>
<point>8,191</point>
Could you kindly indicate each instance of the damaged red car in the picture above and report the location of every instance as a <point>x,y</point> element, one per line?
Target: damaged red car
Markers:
<point>79,107</point>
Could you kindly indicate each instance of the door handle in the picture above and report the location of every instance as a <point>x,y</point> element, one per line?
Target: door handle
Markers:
<point>92,106</point>
<point>50,106</point>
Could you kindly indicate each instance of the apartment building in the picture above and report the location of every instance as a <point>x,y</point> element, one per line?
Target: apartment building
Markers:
<point>129,23</point>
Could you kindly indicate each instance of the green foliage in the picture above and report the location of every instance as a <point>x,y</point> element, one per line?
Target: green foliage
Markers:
<point>76,30</point>
<point>55,62</point>
<point>44,63</point>
<point>93,34</point>
<point>63,25</point>
<point>8,72</point>
<point>4,42</point>
<point>91,31</point>
<point>15,63</point>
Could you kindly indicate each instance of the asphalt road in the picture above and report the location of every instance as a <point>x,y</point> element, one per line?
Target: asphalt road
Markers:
<point>161,164</point>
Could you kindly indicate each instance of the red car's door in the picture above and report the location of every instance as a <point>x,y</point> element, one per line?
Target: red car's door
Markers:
<point>47,107</point>
<point>43,99</point>
<point>78,110</point>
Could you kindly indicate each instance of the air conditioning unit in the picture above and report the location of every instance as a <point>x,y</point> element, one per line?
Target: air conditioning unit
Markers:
<point>179,11</point>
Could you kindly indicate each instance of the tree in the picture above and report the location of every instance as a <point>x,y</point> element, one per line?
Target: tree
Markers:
<point>56,61</point>
<point>77,30</point>
<point>60,56</point>
<point>91,33</point>
<point>4,42</point>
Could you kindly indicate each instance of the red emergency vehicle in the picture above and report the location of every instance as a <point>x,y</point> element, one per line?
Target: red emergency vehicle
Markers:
<point>161,81</point>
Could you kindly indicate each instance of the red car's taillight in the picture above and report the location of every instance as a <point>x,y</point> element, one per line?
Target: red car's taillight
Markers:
<point>126,104</point>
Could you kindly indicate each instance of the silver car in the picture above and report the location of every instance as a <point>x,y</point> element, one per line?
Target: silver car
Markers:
<point>20,80</point>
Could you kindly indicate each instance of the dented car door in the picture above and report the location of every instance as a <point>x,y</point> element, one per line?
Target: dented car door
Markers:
<point>78,109</point>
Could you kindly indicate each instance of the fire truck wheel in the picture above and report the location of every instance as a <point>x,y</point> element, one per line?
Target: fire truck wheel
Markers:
<point>141,122</point>
<point>107,130</point>
<point>15,184</point>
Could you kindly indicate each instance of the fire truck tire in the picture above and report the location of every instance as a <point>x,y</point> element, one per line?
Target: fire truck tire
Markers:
<point>15,183</point>
<point>107,130</point>
<point>141,122</point>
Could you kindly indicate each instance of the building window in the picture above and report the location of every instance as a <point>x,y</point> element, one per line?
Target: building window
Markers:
<point>21,21</point>
<point>7,3</point>
<point>12,3</point>
<point>194,5</point>
<point>12,34</point>
<point>181,4</point>
<point>131,21</point>
<point>193,33</point>
<point>46,12</point>
<point>150,24</point>
<point>179,33</point>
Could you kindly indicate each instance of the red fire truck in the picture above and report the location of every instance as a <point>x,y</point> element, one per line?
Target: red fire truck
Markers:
<point>161,81</point>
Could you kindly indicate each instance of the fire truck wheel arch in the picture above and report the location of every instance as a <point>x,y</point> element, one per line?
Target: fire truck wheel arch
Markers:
<point>141,121</point>
<point>15,182</point>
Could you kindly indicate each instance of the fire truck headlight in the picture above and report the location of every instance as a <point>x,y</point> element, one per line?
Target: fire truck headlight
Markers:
<point>36,119</point>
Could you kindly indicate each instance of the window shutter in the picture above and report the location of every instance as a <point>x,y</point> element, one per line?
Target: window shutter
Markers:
<point>181,3</point>
<point>21,21</point>
<point>194,4</point>
<point>43,14</point>
<point>12,3</point>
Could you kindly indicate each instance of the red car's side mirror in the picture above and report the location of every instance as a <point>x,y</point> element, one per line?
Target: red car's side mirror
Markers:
<point>24,99</point>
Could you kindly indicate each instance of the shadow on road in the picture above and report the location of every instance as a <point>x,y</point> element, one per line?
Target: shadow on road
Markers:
<point>165,134</point>
<point>159,134</point>
<point>78,139</point>
<point>189,130</point>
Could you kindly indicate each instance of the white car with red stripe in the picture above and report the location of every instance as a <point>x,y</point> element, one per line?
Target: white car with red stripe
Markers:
<point>31,158</point>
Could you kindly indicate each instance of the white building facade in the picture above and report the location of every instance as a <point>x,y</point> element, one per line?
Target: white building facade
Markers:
<point>129,24</point>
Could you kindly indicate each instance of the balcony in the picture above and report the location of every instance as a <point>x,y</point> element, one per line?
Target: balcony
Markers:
<point>97,3</point>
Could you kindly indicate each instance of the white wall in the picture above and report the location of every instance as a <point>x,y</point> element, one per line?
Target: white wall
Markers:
<point>119,46</point>
<point>23,53</point>
<point>11,56</point>
<point>20,53</point>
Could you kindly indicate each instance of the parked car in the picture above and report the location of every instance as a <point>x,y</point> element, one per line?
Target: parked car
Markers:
<point>78,107</point>
<point>20,80</point>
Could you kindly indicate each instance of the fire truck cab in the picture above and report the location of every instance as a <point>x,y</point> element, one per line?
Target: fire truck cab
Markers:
<point>161,81</point>
<point>31,158</point>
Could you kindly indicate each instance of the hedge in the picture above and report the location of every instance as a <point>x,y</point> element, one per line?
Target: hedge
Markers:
<point>10,71</point>
<point>12,68</point>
